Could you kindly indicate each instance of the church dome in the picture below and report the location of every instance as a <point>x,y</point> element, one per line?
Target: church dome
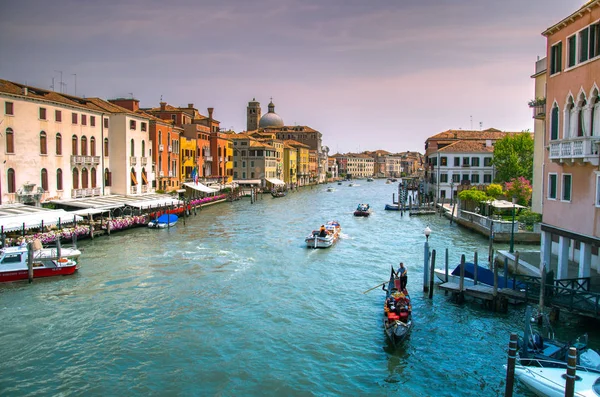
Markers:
<point>271,119</point>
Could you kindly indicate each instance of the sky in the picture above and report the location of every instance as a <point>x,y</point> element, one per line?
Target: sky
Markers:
<point>367,74</point>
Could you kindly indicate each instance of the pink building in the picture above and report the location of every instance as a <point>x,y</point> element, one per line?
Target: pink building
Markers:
<point>571,174</point>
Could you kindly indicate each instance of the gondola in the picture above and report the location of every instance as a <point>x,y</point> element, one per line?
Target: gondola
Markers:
<point>397,311</point>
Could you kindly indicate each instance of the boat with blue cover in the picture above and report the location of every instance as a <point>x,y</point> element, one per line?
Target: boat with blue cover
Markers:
<point>163,221</point>
<point>484,276</point>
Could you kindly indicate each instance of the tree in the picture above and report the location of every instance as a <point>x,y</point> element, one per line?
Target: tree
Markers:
<point>520,188</point>
<point>513,157</point>
<point>472,197</point>
<point>494,190</point>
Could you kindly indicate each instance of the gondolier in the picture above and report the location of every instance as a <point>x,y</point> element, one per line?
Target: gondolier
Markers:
<point>403,275</point>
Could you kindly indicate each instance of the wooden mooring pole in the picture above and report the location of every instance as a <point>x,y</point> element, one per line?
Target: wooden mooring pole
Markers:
<point>475,268</point>
<point>431,274</point>
<point>510,367</point>
<point>571,372</point>
<point>30,262</point>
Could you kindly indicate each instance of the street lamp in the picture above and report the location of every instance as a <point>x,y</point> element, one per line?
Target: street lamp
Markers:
<point>426,232</point>
<point>452,193</point>
<point>512,229</point>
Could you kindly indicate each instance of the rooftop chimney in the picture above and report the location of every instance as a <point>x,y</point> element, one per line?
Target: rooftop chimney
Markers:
<point>163,106</point>
<point>25,91</point>
<point>190,105</point>
<point>210,112</point>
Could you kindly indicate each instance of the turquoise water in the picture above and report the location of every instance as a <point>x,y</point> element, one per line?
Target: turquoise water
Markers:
<point>232,303</point>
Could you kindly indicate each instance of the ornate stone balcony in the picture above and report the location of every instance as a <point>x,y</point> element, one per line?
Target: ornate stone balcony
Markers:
<point>575,150</point>
<point>85,160</point>
<point>133,160</point>
<point>89,192</point>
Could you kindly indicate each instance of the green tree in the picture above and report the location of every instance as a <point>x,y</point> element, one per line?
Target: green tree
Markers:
<point>472,197</point>
<point>494,190</point>
<point>513,157</point>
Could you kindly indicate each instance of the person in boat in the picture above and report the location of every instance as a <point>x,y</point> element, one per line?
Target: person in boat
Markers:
<point>402,273</point>
<point>322,231</point>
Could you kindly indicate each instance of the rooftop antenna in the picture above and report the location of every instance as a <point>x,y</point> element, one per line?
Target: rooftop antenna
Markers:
<point>480,125</point>
<point>131,93</point>
<point>75,74</point>
<point>161,97</point>
<point>64,89</point>
<point>52,85</point>
<point>471,123</point>
<point>61,82</point>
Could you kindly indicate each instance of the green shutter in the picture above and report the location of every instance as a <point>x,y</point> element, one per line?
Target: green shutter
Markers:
<point>583,45</point>
<point>572,51</point>
<point>554,124</point>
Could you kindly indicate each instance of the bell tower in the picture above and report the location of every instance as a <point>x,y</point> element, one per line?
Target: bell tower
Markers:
<point>253,115</point>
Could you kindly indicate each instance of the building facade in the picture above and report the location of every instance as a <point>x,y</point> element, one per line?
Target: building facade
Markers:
<point>538,106</point>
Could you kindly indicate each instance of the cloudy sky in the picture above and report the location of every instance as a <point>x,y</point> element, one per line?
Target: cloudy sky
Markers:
<point>368,74</point>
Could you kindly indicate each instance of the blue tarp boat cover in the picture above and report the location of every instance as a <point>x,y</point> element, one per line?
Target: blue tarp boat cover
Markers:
<point>485,276</point>
<point>167,218</point>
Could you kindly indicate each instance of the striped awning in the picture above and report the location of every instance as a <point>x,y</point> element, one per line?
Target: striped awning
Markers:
<point>133,179</point>
<point>144,179</point>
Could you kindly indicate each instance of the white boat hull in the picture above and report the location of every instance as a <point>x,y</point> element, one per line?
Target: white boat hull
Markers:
<point>549,382</point>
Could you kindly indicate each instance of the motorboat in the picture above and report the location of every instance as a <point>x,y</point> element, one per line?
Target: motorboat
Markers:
<point>397,311</point>
<point>363,210</point>
<point>41,252</point>
<point>13,265</point>
<point>550,382</point>
<point>330,189</point>
<point>339,183</point>
<point>324,238</point>
<point>370,179</point>
<point>164,221</point>
<point>392,207</point>
<point>484,276</point>
<point>350,184</point>
<point>278,193</point>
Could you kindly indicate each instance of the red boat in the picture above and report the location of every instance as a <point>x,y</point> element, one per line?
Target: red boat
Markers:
<point>13,265</point>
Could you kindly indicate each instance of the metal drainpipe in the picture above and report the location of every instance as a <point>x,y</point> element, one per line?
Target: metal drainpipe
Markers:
<point>102,151</point>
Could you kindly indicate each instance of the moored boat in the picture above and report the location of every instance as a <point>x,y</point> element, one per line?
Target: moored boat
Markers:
<point>330,189</point>
<point>13,265</point>
<point>392,207</point>
<point>164,221</point>
<point>362,210</point>
<point>278,193</point>
<point>397,311</point>
<point>551,381</point>
<point>325,237</point>
<point>484,276</point>
<point>369,179</point>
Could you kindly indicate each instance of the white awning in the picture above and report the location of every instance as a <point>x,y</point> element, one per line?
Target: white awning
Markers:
<point>35,220</point>
<point>90,211</point>
<point>248,182</point>
<point>275,181</point>
<point>155,203</point>
<point>503,204</point>
<point>200,187</point>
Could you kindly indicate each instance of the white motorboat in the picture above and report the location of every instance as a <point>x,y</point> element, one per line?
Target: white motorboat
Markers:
<point>14,265</point>
<point>325,239</point>
<point>330,189</point>
<point>550,382</point>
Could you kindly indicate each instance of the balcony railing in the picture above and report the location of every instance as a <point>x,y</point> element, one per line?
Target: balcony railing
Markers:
<point>85,160</point>
<point>89,192</point>
<point>144,188</point>
<point>161,147</point>
<point>161,173</point>
<point>581,149</point>
<point>133,190</point>
<point>539,111</point>
<point>207,158</point>
<point>170,174</point>
<point>144,161</point>
<point>133,160</point>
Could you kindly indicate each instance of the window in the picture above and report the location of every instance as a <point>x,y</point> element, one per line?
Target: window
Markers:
<point>107,177</point>
<point>584,36</point>
<point>444,161</point>
<point>443,178</point>
<point>58,144</point>
<point>594,40</point>
<point>43,143</point>
<point>105,123</point>
<point>566,187</point>
<point>143,126</point>
<point>475,178</point>
<point>74,118</point>
<point>465,178</point>
<point>9,109</point>
<point>144,149</point>
<point>59,185</point>
<point>92,121</point>
<point>572,47</point>
<point>252,164</point>
<point>132,148</point>
<point>84,151</point>
<point>132,124</point>
<point>58,116</point>
<point>10,179</point>
<point>92,146</point>
<point>475,161</point>
<point>465,162</point>
<point>42,113</point>
<point>556,58</point>
<point>74,145</point>
<point>75,178</point>
<point>84,178</point>
<point>105,147</point>
<point>456,178</point>
<point>83,119</point>
<point>552,179</point>
<point>44,177</point>
<point>10,141</point>
<point>487,161</point>
<point>554,123</point>
<point>487,178</point>
<point>457,161</point>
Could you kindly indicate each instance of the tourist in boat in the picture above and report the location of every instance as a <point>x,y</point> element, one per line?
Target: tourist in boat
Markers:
<point>403,274</point>
<point>322,231</point>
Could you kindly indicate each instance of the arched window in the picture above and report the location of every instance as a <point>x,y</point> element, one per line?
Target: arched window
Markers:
<point>93,175</point>
<point>133,178</point>
<point>10,179</point>
<point>43,143</point>
<point>92,146</point>
<point>84,151</point>
<point>74,145</point>
<point>75,178</point>
<point>84,178</point>
<point>59,185</point>
<point>132,148</point>
<point>159,137</point>
<point>107,177</point>
<point>554,123</point>
<point>105,147</point>
<point>10,141</point>
<point>144,177</point>
<point>595,121</point>
<point>143,148</point>
<point>44,179</point>
<point>58,144</point>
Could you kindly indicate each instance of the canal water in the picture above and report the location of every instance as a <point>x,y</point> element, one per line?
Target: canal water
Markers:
<point>233,303</point>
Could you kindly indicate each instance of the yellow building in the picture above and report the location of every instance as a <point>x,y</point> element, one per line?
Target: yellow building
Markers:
<point>303,174</point>
<point>187,158</point>
<point>290,164</point>
<point>229,162</point>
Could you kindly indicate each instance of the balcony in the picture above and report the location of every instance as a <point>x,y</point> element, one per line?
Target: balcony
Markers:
<point>207,158</point>
<point>220,159</point>
<point>144,161</point>
<point>89,192</point>
<point>539,108</point>
<point>144,188</point>
<point>85,160</point>
<point>170,174</point>
<point>133,160</point>
<point>133,190</point>
<point>161,147</point>
<point>161,174</point>
<point>575,150</point>
<point>170,148</point>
